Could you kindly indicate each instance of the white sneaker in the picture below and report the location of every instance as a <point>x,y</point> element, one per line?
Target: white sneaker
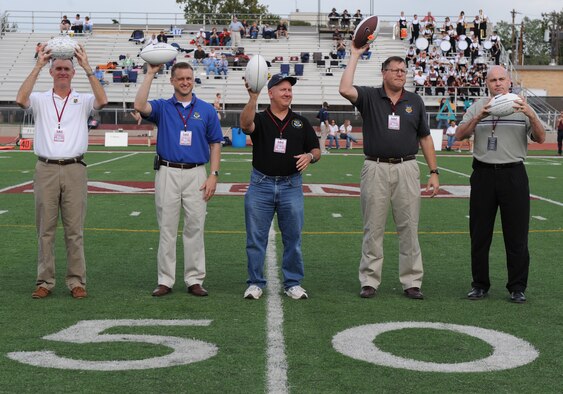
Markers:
<point>253,292</point>
<point>297,293</point>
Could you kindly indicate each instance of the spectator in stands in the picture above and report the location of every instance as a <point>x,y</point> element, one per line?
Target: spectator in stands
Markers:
<point>495,52</point>
<point>415,29</point>
<point>367,54</point>
<point>403,26</point>
<point>336,36</point>
<point>127,63</point>
<point>65,24</point>
<point>474,49</point>
<point>333,134</point>
<point>429,23</point>
<point>199,55</point>
<point>281,30</point>
<point>200,37</point>
<point>183,143</point>
<point>236,28</point>
<point>450,133</point>
<point>153,40</point>
<point>390,172</point>
<point>341,49</point>
<point>345,22</point>
<point>60,180</point>
<point>440,87</point>
<point>460,24</point>
<point>346,133</point>
<point>78,24</point>
<point>162,37</point>
<point>100,76</point>
<point>214,38</point>
<point>333,19</point>
<point>211,64</point>
<point>323,117</point>
<point>428,33</point>
<point>494,37</point>
<point>253,31</point>
<point>483,19</point>
<point>212,54</point>
<point>448,25</point>
<point>244,32</point>
<point>225,38</point>
<point>88,25</point>
<point>217,104</point>
<point>559,125</point>
<point>475,29</point>
<point>223,66</point>
<point>410,55</point>
<point>358,17</point>
<point>267,32</point>
<point>419,80</point>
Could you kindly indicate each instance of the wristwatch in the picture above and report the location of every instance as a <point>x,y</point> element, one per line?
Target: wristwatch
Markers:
<point>435,172</point>
<point>216,173</point>
<point>313,161</point>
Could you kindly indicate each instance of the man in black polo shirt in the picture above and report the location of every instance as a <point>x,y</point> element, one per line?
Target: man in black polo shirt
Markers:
<point>394,126</point>
<point>283,145</point>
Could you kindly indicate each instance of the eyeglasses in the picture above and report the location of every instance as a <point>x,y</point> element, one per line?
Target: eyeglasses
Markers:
<point>397,70</point>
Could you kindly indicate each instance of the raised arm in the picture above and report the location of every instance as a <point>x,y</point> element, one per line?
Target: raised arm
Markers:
<point>101,99</point>
<point>249,111</point>
<point>22,98</point>
<point>347,89</point>
<point>141,99</point>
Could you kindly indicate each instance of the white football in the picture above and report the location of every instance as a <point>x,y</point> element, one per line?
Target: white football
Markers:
<point>503,104</point>
<point>61,47</point>
<point>256,74</point>
<point>160,53</point>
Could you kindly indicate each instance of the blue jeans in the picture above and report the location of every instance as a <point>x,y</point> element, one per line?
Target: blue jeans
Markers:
<point>267,195</point>
<point>332,138</point>
<point>451,140</point>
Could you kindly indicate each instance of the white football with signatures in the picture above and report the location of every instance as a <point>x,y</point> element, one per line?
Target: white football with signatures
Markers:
<point>503,104</point>
<point>61,47</point>
<point>160,53</point>
<point>256,74</point>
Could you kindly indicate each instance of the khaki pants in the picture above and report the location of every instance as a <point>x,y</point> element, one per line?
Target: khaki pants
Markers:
<point>175,189</point>
<point>399,184</point>
<point>61,188</point>
<point>324,133</point>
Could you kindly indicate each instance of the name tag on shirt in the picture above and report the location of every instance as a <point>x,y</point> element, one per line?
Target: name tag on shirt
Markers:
<point>59,136</point>
<point>492,143</point>
<point>186,138</point>
<point>280,145</point>
<point>394,122</point>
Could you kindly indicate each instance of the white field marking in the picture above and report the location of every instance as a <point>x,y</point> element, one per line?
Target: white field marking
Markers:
<point>227,173</point>
<point>276,361</point>
<point>25,172</point>
<point>468,176</point>
<point>467,216</point>
<point>336,215</point>
<point>147,173</point>
<point>107,172</point>
<point>551,177</point>
<point>16,186</point>
<point>508,351</point>
<point>3,212</point>
<point>308,174</point>
<point>135,213</point>
<point>349,175</point>
<point>539,217</point>
<point>185,351</point>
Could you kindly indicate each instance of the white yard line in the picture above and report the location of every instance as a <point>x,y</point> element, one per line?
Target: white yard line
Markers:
<point>276,361</point>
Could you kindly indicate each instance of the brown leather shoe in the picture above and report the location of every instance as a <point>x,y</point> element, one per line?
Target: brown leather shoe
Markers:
<point>161,290</point>
<point>368,292</point>
<point>197,290</point>
<point>414,293</point>
<point>78,292</point>
<point>40,292</point>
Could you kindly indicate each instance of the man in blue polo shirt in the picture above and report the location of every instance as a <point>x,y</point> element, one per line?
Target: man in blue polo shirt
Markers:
<point>189,136</point>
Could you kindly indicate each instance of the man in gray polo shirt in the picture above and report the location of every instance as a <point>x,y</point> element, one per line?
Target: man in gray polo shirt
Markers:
<point>394,125</point>
<point>499,180</point>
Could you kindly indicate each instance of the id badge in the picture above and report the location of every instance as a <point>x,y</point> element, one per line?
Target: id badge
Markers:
<point>492,143</point>
<point>59,136</point>
<point>279,145</point>
<point>185,138</point>
<point>394,122</point>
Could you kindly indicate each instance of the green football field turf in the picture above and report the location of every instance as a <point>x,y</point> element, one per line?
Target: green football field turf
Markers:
<point>120,339</point>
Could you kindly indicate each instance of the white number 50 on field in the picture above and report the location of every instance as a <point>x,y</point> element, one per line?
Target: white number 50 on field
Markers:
<point>186,351</point>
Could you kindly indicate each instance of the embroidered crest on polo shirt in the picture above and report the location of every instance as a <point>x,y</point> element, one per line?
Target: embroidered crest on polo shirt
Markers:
<point>197,115</point>
<point>408,109</point>
<point>296,123</point>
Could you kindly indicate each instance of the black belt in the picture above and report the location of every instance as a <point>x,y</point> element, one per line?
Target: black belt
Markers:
<point>183,166</point>
<point>496,166</point>
<point>62,162</point>
<point>391,160</point>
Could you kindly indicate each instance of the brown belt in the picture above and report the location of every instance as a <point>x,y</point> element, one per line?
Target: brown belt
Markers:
<point>62,162</point>
<point>391,160</point>
<point>184,166</point>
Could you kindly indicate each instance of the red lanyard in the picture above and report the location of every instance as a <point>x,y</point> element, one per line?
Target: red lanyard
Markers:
<point>394,106</point>
<point>60,116</point>
<point>185,120</point>
<point>281,129</point>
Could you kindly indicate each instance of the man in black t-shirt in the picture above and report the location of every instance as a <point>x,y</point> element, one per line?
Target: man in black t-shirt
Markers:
<point>283,145</point>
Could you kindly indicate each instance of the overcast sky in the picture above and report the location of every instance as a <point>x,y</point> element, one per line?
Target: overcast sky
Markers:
<point>496,10</point>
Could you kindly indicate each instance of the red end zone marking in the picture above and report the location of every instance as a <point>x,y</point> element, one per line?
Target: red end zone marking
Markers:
<point>239,189</point>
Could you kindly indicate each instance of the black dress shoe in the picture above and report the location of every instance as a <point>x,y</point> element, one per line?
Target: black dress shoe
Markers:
<point>414,293</point>
<point>477,293</point>
<point>518,297</point>
<point>368,292</point>
<point>161,290</point>
<point>197,290</point>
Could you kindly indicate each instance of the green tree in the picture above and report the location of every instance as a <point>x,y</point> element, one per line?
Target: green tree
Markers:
<point>219,12</point>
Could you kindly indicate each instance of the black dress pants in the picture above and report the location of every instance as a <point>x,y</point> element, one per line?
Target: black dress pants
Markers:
<point>505,188</point>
